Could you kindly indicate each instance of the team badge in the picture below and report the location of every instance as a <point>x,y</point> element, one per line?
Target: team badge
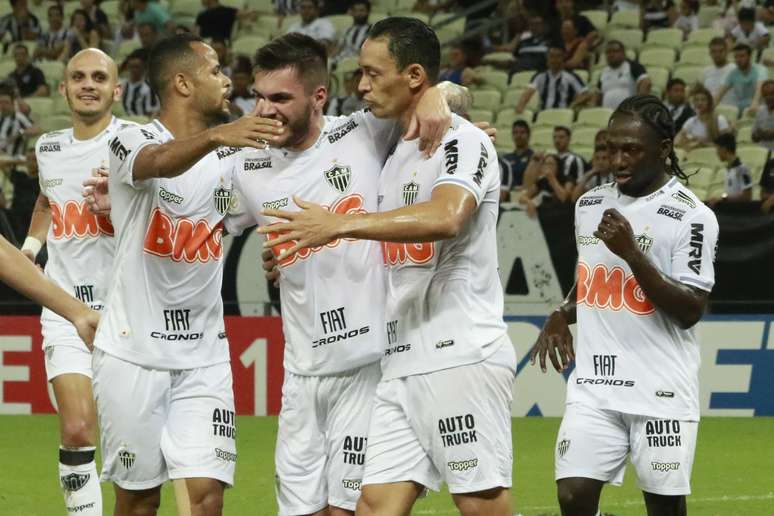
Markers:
<point>127,458</point>
<point>644,242</point>
<point>410,192</point>
<point>222,199</point>
<point>74,481</point>
<point>564,444</point>
<point>339,177</point>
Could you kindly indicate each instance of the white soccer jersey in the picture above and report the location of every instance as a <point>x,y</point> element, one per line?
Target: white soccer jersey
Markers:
<point>444,299</point>
<point>80,244</point>
<point>332,297</point>
<point>164,307</point>
<point>630,356</point>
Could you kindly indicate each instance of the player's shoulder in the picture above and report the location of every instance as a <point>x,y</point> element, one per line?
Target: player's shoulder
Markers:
<point>681,205</point>
<point>462,132</point>
<point>53,141</point>
<point>149,131</point>
<point>251,160</point>
<point>596,195</point>
<point>337,127</point>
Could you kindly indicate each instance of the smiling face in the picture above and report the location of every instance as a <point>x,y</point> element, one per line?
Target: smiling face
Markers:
<point>636,156</point>
<point>90,84</point>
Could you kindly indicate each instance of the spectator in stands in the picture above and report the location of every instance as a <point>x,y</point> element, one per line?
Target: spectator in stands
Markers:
<point>564,11</point>
<point>82,34</point>
<point>217,21</point>
<point>621,78</point>
<point>530,47</point>
<point>29,80</point>
<point>557,87</point>
<point>460,69</point>
<point>23,175</point>
<point>242,95</point>
<point>221,49</point>
<point>136,95</point>
<point>657,14</point>
<point>353,38</point>
<point>600,139</point>
<point>601,173</point>
<point>351,101</point>
<point>98,17</point>
<point>763,128</point>
<point>716,75</point>
<point>738,179</point>
<point>745,81</point>
<point>705,126</point>
<point>15,127</point>
<point>767,186</point>
<point>285,8</point>
<point>749,32</point>
<point>689,17</point>
<point>517,160</point>
<point>20,23</point>
<point>313,26</point>
<point>680,110</point>
<point>51,44</point>
<point>544,180</point>
<point>329,7</point>
<point>148,35</point>
<point>154,13</point>
<point>576,47</point>
<point>571,165</point>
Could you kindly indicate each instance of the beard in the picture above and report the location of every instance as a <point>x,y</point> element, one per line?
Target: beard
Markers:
<point>298,129</point>
<point>94,111</point>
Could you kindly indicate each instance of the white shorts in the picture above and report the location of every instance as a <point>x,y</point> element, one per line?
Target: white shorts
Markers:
<point>594,443</point>
<point>452,425</point>
<point>158,424</point>
<point>321,441</point>
<point>67,357</point>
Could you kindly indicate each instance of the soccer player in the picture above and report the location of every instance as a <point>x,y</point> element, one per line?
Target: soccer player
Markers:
<point>645,250</point>
<point>162,377</point>
<point>442,410</point>
<point>80,255</point>
<point>21,275</point>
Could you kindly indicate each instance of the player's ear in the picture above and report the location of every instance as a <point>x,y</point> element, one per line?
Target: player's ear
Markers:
<point>63,88</point>
<point>117,91</point>
<point>182,84</point>
<point>416,75</point>
<point>320,97</point>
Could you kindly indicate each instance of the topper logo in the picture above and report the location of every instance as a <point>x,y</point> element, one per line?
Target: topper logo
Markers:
<point>184,239</point>
<point>346,205</point>
<point>74,220</point>
<point>398,253</point>
<point>611,289</point>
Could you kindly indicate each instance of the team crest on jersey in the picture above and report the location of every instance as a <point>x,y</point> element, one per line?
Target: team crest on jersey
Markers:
<point>564,444</point>
<point>339,177</point>
<point>644,242</point>
<point>74,481</point>
<point>127,458</point>
<point>410,192</point>
<point>222,198</point>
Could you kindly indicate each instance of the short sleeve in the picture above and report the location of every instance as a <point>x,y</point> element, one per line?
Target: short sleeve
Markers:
<point>469,161</point>
<point>327,30</point>
<point>124,147</point>
<point>723,123</point>
<point>238,218</point>
<point>693,255</point>
<point>638,71</point>
<point>730,79</point>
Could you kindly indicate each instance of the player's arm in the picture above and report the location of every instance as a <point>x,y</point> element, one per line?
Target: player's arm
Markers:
<point>38,230</point>
<point>555,339</point>
<point>682,302</point>
<point>174,157</point>
<point>21,275</point>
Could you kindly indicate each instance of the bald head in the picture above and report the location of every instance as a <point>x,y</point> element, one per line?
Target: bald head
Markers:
<point>92,58</point>
<point>90,84</point>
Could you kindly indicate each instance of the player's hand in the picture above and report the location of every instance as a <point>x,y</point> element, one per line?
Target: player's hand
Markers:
<point>312,226</point>
<point>270,269</point>
<point>616,233</point>
<point>29,255</point>
<point>555,340</point>
<point>430,121</point>
<point>86,325</point>
<point>251,130</point>
<point>488,129</point>
<point>95,192</point>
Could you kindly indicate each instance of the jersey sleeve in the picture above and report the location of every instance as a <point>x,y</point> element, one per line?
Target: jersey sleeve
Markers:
<point>238,218</point>
<point>638,71</point>
<point>694,252</point>
<point>124,147</point>
<point>469,161</point>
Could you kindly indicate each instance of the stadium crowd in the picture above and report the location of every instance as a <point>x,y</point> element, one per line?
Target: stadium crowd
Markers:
<point>546,75</point>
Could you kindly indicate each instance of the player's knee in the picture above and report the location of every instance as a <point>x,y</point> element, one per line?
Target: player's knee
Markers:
<point>142,503</point>
<point>77,431</point>
<point>209,503</point>
<point>572,499</point>
<point>366,504</point>
<point>490,502</point>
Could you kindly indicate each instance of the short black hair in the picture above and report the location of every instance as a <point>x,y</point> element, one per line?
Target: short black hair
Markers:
<point>563,128</point>
<point>167,57</point>
<point>617,42</point>
<point>55,7</point>
<point>521,123</point>
<point>726,141</point>
<point>7,90</point>
<point>410,41</point>
<point>693,5</point>
<point>675,82</point>
<point>21,45</point>
<point>138,53</point>
<point>743,47</point>
<point>82,12</point>
<point>304,54</point>
<point>717,40</point>
<point>366,3</point>
<point>746,14</point>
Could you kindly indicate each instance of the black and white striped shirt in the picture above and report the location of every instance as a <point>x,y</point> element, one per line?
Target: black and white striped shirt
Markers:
<point>138,99</point>
<point>12,139</point>
<point>51,39</point>
<point>352,40</point>
<point>557,90</point>
<point>10,25</point>
<point>571,166</point>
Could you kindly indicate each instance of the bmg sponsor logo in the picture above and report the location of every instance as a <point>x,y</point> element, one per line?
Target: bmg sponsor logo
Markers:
<point>462,465</point>
<point>665,466</point>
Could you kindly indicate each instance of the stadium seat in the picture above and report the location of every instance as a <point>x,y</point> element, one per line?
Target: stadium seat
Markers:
<point>267,26</point>
<point>503,148</point>
<point>341,22</point>
<point>348,64</point>
<point>730,112</point>
<point>597,17</point>
<point>668,38</point>
<point>661,57</point>
<point>184,12</point>
<point>487,99</point>
<point>142,120</point>
<point>111,8</point>
<point>584,136</point>
<point>705,155</point>
<point>496,79</point>
<point>40,107</point>
<point>689,73</point>
<point>55,123</point>
<point>287,21</point>
<point>628,19</point>
<point>457,26</point>
<point>695,56</point>
<point>522,79</point>
<point>481,115</point>
<point>125,48</point>
<point>631,38</point>
<point>498,57</point>
<point>708,14</point>
<point>53,71</point>
<point>584,151</point>
<point>744,135</point>
<point>594,117</point>
<point>542,137</point>
<point>702,37</point>
<point>401,5</point>
<point>583,74</point>
<point>681,154</point>
<point>118,110</point>
<point>554,117</point>
<point>247,45</point>
<point>699,175</point>
<point>512,96</point>
<point>59,106</point>
<point>658,77</point>
<point>6,67</point>
<point>506,117</point>
<point>754,156</point>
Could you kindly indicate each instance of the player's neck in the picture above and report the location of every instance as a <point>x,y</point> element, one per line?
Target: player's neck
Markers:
<point>658,181</point>
<point>405,118</point>
<point>315,128</point>
<point>86,129</point>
